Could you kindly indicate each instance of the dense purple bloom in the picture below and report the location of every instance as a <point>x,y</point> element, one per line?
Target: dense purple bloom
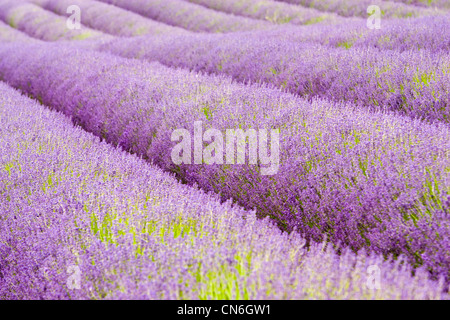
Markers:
<point>9,34</point>
<point>364,179</point>
<point>350,8</point>
<point>275,12</point>
<point>110,19</point>
<point>190,16</point>
<point>70,202</point>
<point>367,75</point>
<point>42,24</point>
<point>444,4</point>
<point>101,210</point>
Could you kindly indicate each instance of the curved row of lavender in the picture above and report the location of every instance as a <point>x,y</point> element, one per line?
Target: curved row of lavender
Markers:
<point>429,33</point>
<point>411,82</point>
<point>277,13</point>
<point>43,24</point>
<point>109,19</point>
<point>83,220</point>
<point>9,34</point>
<point>352,8</point>
<point>366,179</point>
<point>444,4</point>
<point>183,14</point>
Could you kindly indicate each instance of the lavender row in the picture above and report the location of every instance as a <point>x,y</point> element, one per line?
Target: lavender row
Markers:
<point>83,220</point>
<point>429,33</point>
<point>423,33</point>
<point>277,13</point>
<point>412,83</point>
<point>368,180</point>
<point>42,24</point>
<point>9,34</point>
<point>109,19</point>
<point>444,4</point>
<point>358,8</point>
<point>190,16</point>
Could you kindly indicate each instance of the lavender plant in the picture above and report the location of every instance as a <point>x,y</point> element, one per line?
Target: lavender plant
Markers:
<point>8,34</point>
<point>109,19</point>
<point>351,8</point>
<point>444,4</point>
<point>71,202</point>
<point>190,16</point>
<point>364,179</point>
<point>277,13</point>
<point>410,82</point>
<point>42,24</point>
<point>429,33</point>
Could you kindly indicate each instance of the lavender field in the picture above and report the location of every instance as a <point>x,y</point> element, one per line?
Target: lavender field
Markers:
<point>238,149</point>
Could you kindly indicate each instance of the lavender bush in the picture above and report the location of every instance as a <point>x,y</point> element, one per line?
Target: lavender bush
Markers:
<point>413,93</point>
<point>190,16</point>
<point>42,24</point>
<point>365,179</point>
<point>273,11</point>
<point>277,13</point>
<point>429,33</point>
<point>351,8</point>
<point>109,19</point>
<point>71,202</point>
<point>9,34</point>
<point>362,182</point>
<point>413,83</point>
<point>430,3</point>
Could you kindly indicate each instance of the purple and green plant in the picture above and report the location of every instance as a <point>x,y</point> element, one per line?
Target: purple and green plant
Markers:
<point>372,180</point>
<point>72,202</point>
<point>42,24</point>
